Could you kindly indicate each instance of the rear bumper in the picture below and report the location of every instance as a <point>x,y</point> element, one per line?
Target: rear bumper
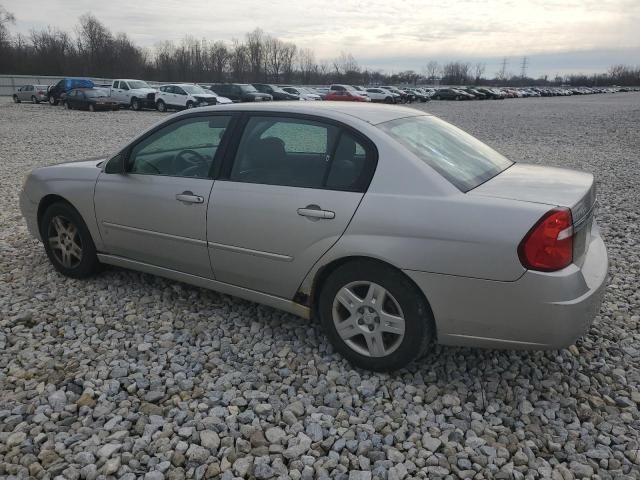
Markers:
<point>537,311</point>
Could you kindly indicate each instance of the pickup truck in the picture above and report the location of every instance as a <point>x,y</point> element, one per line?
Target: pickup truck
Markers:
<point>133,93</point>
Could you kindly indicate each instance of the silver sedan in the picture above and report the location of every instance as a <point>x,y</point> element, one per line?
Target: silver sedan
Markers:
<point>392,228</point>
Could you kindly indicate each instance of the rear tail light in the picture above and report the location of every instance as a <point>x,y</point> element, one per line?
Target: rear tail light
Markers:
<point>548,246</point>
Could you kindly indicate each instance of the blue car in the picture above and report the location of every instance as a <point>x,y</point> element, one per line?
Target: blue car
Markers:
<point>58,91</point>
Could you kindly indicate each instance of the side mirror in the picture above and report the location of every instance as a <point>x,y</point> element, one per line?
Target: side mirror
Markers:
<point>116,164</point>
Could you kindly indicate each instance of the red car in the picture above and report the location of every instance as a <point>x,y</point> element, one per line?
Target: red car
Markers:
<point>346,96</point>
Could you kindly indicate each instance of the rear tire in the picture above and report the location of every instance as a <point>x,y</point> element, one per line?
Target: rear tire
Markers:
<point>92,108</point>
<point>161,106</point>
<point>34,99</point>
<point>16,99</point>
<point>66,105</point>
<point>67,241</point>
<point>387,323</point>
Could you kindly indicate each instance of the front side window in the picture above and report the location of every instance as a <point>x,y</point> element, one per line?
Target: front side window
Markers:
<point>185,148</point>
<point>463,160</point>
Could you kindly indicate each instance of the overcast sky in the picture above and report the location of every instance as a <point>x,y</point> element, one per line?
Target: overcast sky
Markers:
<point>393,35</point>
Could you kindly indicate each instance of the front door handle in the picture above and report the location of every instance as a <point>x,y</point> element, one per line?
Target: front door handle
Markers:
<point>314,212</point>
<point>189,197</point>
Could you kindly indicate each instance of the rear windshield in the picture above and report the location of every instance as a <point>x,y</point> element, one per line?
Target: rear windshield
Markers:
<point>96,92</point>
<point>248,88</point>
<point>460,158</point>
<point>138,84</point>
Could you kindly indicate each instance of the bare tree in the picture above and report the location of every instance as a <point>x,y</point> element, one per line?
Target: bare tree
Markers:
<point>432,70</point>
<point>288,55</point>
<point>306,64</point>
<point>255,52</point>
<point>239,60</point>
<point>219,56</point>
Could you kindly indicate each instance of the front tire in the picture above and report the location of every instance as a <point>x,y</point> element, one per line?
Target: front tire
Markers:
<point>161,106</point>
<point>92,108</point>
<point>53,102</point>
<point>190,105</point>
<point>66,105</point>
<point>67,241</point>
<point>135,104</point>
<point>34,99</point>
<point>375,316</point>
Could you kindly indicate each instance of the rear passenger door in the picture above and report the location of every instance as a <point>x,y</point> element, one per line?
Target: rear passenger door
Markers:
<point>284,197</point>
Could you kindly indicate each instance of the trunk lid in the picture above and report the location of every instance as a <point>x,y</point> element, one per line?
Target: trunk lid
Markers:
<point>556,187</point>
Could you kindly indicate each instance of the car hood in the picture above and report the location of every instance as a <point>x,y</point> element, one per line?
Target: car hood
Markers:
<point>547,185</point>
<point>91,162</point>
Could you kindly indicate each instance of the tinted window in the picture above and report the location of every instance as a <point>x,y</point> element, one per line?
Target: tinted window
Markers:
<point>185,148</point>
<point>460,158</point>
<point>284,151</point>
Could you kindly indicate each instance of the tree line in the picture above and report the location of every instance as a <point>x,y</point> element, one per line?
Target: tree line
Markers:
<point>258,57</point>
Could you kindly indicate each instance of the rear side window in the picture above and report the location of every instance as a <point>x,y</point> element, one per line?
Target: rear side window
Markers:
<point>352,165</point>
<point>302,153</point>
<point>116,84</point>
<point>463,160</point>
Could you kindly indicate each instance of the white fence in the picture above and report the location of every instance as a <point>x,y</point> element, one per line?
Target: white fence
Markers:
<point>10,83</point>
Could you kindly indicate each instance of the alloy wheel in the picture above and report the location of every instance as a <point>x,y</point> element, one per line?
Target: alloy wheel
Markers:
<point>64,240</point>
<point>368,319</point>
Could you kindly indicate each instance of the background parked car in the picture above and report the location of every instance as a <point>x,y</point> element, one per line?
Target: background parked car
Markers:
<point>33,93</point>
<point>452,94</point>
<point>133,93</point>
<point>220,100</point>
<point>183,95</point>
<point>404,98</point>
<point>239,92</point>
<point>91,99</point>
<point>275,91</point>
<point>377,94</point>
<point>302,92</point>
<point>346,96</point>
<point>57,92</point>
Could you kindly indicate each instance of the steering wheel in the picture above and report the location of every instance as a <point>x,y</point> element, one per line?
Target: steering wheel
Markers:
<point>182,164</point>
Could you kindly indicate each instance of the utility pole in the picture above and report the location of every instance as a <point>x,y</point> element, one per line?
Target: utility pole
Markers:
<point>523,67</point>
<point>503,70</point>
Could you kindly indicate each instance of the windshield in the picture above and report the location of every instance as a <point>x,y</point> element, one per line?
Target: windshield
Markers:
<point>194,89</point>
<point>138,84</point>
<point>96,92</point>
<point>248,88</point>
<point>460,158</point>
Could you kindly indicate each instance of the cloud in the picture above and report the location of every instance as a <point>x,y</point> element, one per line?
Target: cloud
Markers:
<point>376,31</point>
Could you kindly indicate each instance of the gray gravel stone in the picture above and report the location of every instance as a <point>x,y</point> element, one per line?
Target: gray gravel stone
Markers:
<point>142,376</point>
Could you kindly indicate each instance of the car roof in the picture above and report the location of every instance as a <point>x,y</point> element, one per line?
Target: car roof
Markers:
<point>369,112</point>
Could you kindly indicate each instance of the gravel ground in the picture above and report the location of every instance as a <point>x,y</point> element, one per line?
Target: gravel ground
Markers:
<point>132,376</point>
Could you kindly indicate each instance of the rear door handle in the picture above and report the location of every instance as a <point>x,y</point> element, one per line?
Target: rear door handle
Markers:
<point>189,197</point>
<point>315,212</point>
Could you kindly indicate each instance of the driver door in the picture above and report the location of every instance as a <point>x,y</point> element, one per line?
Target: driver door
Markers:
<point>155,212</point>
